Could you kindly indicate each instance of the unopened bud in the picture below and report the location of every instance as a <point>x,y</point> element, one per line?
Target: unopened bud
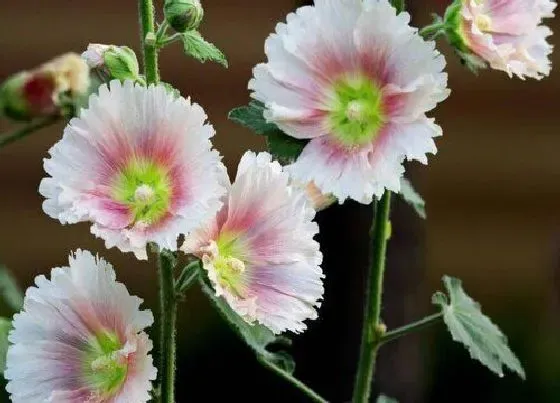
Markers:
<point>113,62</point>
<point>183,15</point>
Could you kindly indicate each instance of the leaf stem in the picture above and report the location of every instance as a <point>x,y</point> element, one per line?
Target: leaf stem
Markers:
<point>434,30</point>
<point>187,277</point>
<point>148,40</point>
<point>372,327</point>
<point>168,319</point>
<point>411,327</point>
<point>292,380</point>
<point>25,131</point>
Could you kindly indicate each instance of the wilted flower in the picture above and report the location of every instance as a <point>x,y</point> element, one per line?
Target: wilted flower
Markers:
<point>80,338</point>
<point>259,251</point>
<point>357,80</point>
<point>41,91</point>
<point>139,164</point>
<point>505,33</point>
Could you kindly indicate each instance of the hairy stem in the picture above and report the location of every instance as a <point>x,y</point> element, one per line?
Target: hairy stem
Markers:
<point>148,38</point>
<point>28,129</point>
<point>168,318</point>
<point>291,379</point>
<point>372,326</point>
<point>410,328</point>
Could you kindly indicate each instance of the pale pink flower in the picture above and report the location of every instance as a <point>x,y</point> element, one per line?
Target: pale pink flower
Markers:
<point>139,164</point>
<point>508,34</point>
<point>356,80</point>
<point>80,339</point>
<point>259,251</point>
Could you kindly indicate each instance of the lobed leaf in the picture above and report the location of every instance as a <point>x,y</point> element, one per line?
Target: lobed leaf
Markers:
<point>399,5</point>
<point>470,327</point>
<point>5,327</point>
<point>197,47</point>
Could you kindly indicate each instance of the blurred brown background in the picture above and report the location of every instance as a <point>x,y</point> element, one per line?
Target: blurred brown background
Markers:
<point>492,200</point>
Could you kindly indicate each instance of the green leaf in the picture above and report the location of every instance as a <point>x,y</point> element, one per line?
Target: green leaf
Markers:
<point>280,145</point>
<point>469,326</point>
<point>9,290</point>
<point>399,5</point>
<point>385,399</point>
<point>411,196</point>
<point>196,46</point>
<point>257,336</point>
<point>252,117</point>
<point>5,327</point>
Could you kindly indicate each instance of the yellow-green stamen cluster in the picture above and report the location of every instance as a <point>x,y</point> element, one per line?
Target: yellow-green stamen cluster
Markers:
<point>229,264</point>
<point>144,187</point>
<point>104,369</point>
<point>357,114</point>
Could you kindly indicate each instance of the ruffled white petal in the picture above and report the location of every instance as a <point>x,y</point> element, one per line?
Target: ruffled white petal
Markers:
<point>123,121</point>
<point>310,53</point>
<point>272,223</point>
<point>59,318</point>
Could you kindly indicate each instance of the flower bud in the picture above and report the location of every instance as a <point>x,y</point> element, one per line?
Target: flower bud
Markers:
<point>38,92</point>
<point>112,62</point>
<point>183,15</point>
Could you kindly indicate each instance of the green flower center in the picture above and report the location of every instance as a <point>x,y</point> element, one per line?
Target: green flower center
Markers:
<point>228,263</point>
<point>356,113</point>
<point>104,368</point>
<point>145,188</point>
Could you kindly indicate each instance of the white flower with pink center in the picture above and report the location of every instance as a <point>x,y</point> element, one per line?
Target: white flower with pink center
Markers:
<point>508,34</point>
<point>259,251</point>
<point>80,339</point>
<point>356,80</point>
<point>139,164</point>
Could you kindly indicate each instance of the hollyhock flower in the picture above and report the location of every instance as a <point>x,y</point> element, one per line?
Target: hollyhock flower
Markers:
<point>259,251</point>
<point>138,164</point>
<point>79,338</point>
<point>356,80</point>
<point>508,34</point>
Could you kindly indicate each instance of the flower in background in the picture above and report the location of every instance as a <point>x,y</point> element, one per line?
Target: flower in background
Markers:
<point>356,80</point>
<point>259,251</point>
<point>46,89</point>
<point>139,164</point>
<point>79,338</point>
<point>505,33</point>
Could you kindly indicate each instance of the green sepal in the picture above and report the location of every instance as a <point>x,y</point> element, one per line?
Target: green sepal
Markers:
<point>470,327</point>
<point>258,337</point>
<point>283,147</point>
<point>413,198</point>
<point>121,63</point>
<point>399,5</point>
<point>197,47</point>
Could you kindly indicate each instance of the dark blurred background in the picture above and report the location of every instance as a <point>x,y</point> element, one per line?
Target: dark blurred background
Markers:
<point>492,200</point>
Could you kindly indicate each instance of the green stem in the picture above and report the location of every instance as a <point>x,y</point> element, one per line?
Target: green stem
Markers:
<point>27,130</point>
<point>187,277</point>
<point>291,379</point>
<point>410,328</point>
<point>168,318</point>
<point>148,38</point>
<point>372,326</point>
<point>434,30</point>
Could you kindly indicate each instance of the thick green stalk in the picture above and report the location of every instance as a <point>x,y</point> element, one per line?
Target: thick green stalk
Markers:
<point>27,130</point>
<point>373,329</point>
<point>168,318</point>
<point>410,328</point>
<point>148,38</point>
